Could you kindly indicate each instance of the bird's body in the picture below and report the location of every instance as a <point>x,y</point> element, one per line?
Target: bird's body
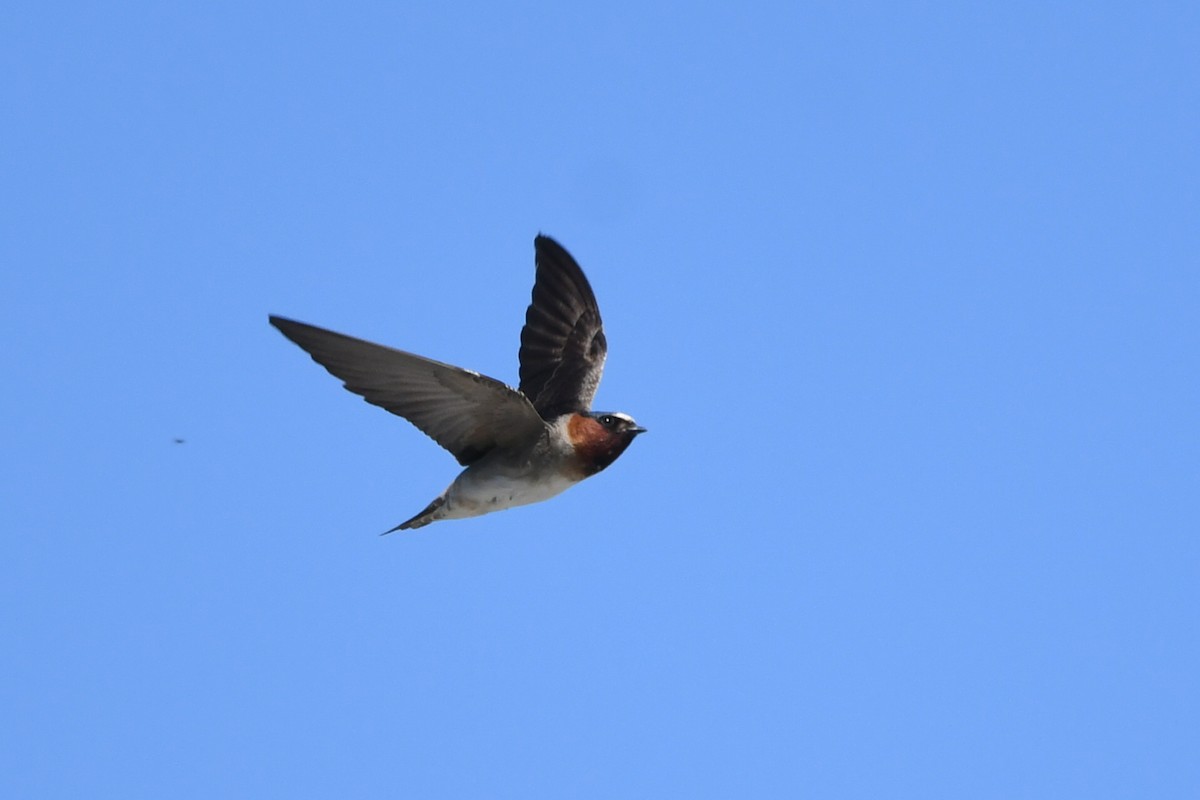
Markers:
<point>507,478</point>
<point>518,446</point>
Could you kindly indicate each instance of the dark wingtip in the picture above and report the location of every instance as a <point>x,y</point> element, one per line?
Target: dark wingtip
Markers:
<point>280,323</point>
<point>292,329</point>
<point>547,244</point>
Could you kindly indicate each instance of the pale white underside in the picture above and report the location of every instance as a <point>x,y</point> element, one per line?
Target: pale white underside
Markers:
<point>493,488</point>
<point>470,496</point>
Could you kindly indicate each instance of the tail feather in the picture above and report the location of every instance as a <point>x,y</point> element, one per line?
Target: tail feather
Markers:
<point>422,519</point>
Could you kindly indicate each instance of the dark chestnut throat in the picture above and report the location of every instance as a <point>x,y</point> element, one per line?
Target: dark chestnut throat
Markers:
<point>597,455</point>
<point>595,446</point>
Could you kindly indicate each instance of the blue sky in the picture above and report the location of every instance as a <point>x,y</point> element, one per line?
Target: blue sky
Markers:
<point>907,295</point>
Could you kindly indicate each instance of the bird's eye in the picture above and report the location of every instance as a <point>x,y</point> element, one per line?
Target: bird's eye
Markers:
<point>607,420</point>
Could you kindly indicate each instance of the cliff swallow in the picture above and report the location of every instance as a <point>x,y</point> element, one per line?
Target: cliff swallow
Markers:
<point>518,446</point>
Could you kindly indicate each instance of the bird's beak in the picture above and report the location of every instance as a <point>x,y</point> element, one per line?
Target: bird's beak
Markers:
<point>636,429</point>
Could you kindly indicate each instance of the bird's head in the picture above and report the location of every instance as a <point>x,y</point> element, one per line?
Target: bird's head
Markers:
<point>600,436</point>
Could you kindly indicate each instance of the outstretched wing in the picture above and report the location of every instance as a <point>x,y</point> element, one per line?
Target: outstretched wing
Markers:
<point>467,413</point>
<point>562,344</point>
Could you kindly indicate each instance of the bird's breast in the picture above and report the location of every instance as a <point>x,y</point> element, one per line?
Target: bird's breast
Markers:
<point>485,490</point>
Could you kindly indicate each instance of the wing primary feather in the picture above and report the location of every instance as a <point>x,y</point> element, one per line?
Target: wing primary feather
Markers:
<point>563,348</point>
<point>467,413</point>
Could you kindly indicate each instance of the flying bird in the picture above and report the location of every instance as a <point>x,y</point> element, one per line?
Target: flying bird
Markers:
<point>517,446</point>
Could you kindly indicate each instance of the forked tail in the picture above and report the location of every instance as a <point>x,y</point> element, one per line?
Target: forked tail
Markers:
<point>420,520</point>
